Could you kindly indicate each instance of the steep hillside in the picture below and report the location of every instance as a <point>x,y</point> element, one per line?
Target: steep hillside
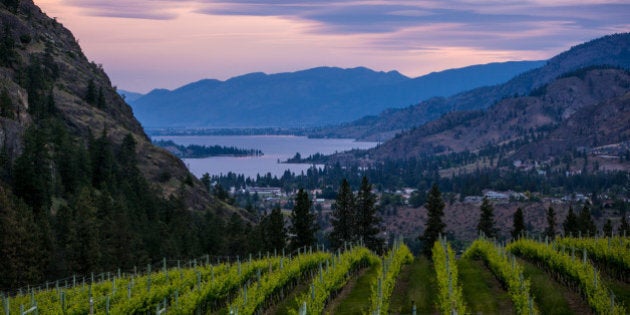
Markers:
<point>81,186</point>
<point>581,109</point>
<point>314,97</point>
<point>611,50</point>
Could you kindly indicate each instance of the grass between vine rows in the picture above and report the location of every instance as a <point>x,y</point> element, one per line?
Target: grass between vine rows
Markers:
<point>482,291</point>
<point>357,301</point>
<point>551,296</point>
<point>416,283</point>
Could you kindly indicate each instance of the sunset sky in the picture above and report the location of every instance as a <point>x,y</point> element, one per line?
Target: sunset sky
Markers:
<point>146,44</point>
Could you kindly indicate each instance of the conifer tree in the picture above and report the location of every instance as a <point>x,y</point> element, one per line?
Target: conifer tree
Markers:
<point>519,224</point>
<point>550,230</point>
<point>585,222</point>
<point>18,243</point>
<point>91,94</point>
<point>100,100</point>
<point>343,217</point>
<point>302,221</point>
<point>367,221</point>
<point>608,228</point>
<point>275,234</point>
<point>486,220</point>
<point>435,226</point>
<point>570,224</point>
<point>624,227</point>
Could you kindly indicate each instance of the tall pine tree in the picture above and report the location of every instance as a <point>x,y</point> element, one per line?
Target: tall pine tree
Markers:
<point>435,226</point>
<point>302,222</point>
<point>367,221</point>
<point>608,228</point>
<point>585,222</point>
<point>624,227</point>
<point>570,224</point>
<point>550,230</point>
<point>275,234</point>
<point>519,224</point>
<point>343,217</point>
<point>486,220</point>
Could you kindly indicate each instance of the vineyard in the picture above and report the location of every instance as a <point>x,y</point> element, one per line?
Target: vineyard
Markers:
<point>589,275</point>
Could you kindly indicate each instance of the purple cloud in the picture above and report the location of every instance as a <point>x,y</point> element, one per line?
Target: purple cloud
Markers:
<point>488,24</point>
<point>136,9</point>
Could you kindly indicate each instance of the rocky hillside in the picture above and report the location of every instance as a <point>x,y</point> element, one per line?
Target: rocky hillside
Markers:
<point>31,39</point>
<point>313,97</point>
<point>611,50</point>
<point>586,108</point>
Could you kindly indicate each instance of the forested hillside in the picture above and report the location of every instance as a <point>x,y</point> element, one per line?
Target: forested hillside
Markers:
<point>82,188</point>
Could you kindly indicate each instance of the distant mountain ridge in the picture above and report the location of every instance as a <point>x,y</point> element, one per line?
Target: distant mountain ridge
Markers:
<point>611,50</point>
<point>313,97</point>
<point>583,109</point>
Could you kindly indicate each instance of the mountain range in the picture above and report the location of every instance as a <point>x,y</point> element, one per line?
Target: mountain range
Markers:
<point>581,110</point>
<point>608,50</point>
<point>308,98</point>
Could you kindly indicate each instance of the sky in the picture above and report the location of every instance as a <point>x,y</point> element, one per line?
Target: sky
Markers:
<point>147,44</point>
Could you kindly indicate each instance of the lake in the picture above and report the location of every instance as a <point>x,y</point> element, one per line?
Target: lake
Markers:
<point>274,148</point>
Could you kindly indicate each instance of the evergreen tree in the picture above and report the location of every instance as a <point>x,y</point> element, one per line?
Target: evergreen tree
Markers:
<point>302,222</point>
<point>435,226</point>
<point>486,220</point>
<point>19,247</point>
<point>570,224</point>
<point>608,228</point>
<point>6,106</point>
<point>585,222</point>
<point>205,180</point>
<point>32,172</point>
<point>550,230</point>
<point>624,227</point>
<point>519,224</point>
<point>275,234</point>
<point>85,249</point>
<point>367,221</point>
<point>91,94</point>
<point>100,100</point>
<point>343,217</point>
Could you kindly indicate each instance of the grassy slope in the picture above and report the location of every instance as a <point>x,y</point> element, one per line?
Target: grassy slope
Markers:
<point>416,283</point>
<point>482,291</point>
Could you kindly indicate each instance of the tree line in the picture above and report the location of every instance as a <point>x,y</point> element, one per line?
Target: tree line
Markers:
<point>581,224</point>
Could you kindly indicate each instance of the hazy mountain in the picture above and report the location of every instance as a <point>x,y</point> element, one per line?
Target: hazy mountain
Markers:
<point>129,96</point>
<point>608,50</point>
<point>314,97</point>
<point>584,109</point>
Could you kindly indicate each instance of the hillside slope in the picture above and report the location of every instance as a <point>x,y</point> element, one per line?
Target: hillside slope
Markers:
<point>313,97</point>
<point>82,188</point>
<point>611,50</point>
<point>586,108</point>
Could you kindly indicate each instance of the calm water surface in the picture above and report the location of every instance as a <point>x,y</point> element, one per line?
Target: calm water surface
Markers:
<point>274,147</point>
